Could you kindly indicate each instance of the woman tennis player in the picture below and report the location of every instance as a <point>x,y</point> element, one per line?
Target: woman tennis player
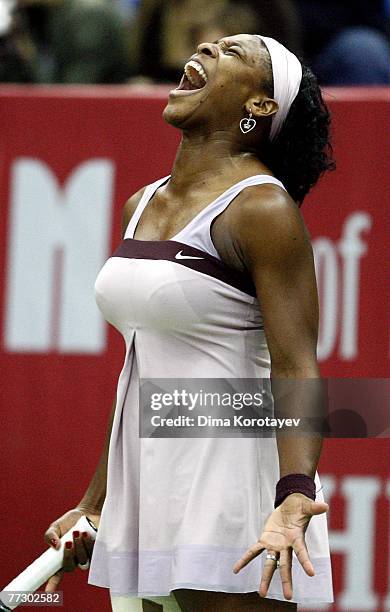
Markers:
<point>215,279</point>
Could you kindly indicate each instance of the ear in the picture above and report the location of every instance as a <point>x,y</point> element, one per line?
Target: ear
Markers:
<point>261,106</point>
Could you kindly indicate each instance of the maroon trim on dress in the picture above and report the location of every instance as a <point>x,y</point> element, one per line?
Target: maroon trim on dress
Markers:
<point>169,250</point>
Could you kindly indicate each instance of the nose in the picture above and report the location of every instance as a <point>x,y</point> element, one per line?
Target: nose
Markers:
<point>209,49</point>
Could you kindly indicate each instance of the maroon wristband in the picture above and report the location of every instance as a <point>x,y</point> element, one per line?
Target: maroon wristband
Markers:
<point>294,483</point>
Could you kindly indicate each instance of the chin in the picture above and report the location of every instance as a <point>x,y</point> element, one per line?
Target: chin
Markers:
<point>172,115</point>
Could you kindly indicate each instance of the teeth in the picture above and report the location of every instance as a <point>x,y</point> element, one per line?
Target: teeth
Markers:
<point>199,69</point>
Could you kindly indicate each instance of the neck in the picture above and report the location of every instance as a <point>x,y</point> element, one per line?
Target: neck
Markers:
<point>204,158</point>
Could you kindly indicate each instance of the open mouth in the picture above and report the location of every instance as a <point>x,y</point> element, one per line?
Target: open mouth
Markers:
<point>194,77</point>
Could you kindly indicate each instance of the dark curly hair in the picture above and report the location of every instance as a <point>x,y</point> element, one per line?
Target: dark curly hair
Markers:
<point>302,151</point>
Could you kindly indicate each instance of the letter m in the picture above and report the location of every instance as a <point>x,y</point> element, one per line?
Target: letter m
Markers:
<point>58,240</point>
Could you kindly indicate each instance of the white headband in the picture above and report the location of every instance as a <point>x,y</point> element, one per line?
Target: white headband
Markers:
<point>287,73</point>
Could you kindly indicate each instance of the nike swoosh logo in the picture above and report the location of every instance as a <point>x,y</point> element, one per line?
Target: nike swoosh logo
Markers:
<point>180,256</point>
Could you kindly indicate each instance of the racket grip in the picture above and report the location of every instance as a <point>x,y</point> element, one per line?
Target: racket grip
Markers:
<point>43,567</point>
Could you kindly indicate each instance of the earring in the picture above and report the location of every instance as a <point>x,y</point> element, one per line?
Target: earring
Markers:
<point>247,124</point>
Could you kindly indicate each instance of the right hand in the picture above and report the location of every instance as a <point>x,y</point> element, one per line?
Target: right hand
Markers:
<point>82,544</point>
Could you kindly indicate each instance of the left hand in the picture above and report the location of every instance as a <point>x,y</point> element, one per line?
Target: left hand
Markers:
<point>284,532</point>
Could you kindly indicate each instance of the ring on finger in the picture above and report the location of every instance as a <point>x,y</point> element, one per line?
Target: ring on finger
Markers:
<point>84,566</point>
<point>272,557</point>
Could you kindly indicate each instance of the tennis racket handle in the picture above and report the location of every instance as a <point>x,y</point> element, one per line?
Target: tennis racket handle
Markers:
<point>45,566</point>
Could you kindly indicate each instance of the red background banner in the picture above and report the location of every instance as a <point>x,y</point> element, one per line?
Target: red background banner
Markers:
<point>57,145</point>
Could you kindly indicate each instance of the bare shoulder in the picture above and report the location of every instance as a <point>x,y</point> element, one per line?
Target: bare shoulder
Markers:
<point>129,208</point>
<point>265,202</point>
<point>267,223</point>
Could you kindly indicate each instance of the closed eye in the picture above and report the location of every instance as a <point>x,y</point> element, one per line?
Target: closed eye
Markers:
<point>228,49</point>
<point>231,51</point>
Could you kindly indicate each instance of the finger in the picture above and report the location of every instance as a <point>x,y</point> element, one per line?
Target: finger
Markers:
<point>52,535</point>
<point>80,553</point>
<point>285,562</point>
<point>69,563</point>
<point>251,553</point>
<point>300,550</point>
<point>53,582</point>
<point>318,508</point>
<point>268,571</point>
<point>88,543</point>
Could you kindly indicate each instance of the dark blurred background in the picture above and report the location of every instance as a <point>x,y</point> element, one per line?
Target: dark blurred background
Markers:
<point>346,42</point>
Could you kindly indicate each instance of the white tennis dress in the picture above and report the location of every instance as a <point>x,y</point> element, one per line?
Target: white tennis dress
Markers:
<point>179,512</point>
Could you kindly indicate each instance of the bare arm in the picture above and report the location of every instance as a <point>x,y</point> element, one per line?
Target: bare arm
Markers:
<point>93,498</point>
<point>274,244</point>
